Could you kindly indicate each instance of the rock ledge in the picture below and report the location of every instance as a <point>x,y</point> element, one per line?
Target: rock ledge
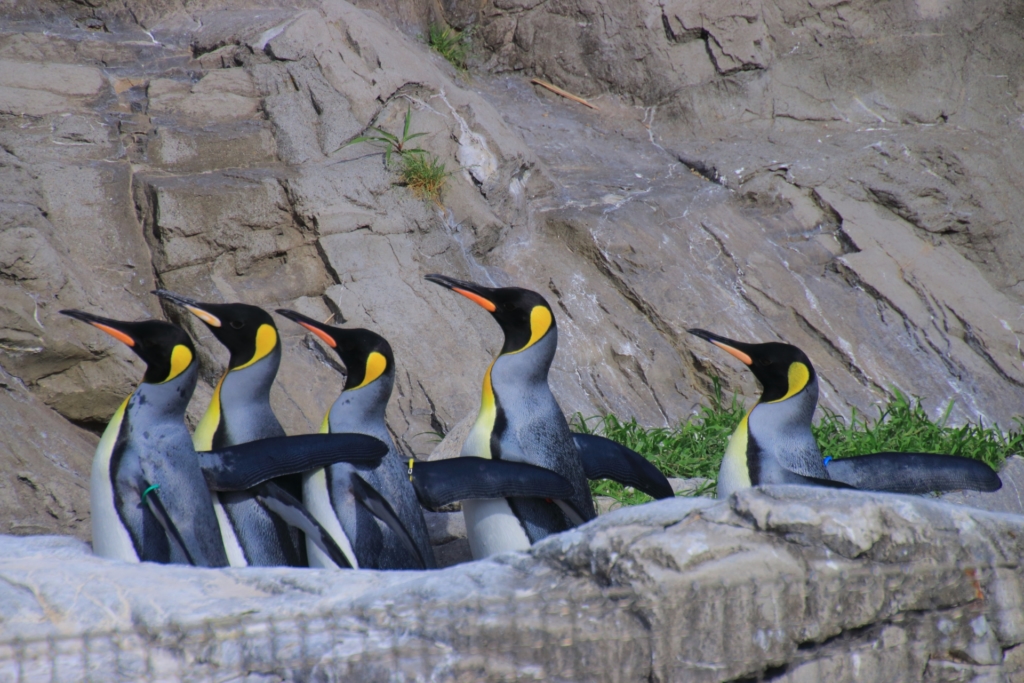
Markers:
<point>785,583</point>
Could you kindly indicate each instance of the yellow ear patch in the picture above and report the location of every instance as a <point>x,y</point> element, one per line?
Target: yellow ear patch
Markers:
<point>376,364</point>
<point>266,340</point>
<point>540,323</point>
<point>799,376</point>
<point>181,358</point>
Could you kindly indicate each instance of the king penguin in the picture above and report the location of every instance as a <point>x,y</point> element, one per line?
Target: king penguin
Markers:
<point>240,412</point>
<point>148,496</point>
<point>774,444</point>
<point>147,502</point>
<point>360,409</point>
<point>520,421</point>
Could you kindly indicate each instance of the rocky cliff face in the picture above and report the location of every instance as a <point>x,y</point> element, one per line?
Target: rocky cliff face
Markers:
<point>838,175</point>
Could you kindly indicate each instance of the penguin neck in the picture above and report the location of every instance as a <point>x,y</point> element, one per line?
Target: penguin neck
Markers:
<point>524,371</point>
<point>167,401</point>
<point>240,410</point>
<point>785,424</point>
<point>251,383</point>
<point>519,378</point>
<point>363,410</point>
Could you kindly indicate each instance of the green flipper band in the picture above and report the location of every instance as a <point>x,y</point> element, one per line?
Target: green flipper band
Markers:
<point>411,461</point>
<point>145,493</point>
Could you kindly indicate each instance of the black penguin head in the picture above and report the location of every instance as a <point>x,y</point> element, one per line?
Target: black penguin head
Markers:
<point>248,332</point>
<point>165,348</point>
<point>366,355</point>
<point>782,369</point>
<point>524,316</point>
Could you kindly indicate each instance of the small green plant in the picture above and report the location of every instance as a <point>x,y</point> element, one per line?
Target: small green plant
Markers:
<point>393,143</point>
<point>695,447</point>
<point>420,171</point>
<point>449,44</point>
<point>425,175</point>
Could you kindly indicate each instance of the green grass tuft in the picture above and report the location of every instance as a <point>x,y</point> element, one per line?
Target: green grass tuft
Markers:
<point>903,425</point>
<point>695,447</point>
<point>425,175</point>
<point>450,44</point>
<point>421,171</point>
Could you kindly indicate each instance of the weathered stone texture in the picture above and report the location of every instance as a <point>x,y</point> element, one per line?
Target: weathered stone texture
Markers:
<point>788,583</point>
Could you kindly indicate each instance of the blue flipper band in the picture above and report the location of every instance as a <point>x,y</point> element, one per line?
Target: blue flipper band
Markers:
<point>828,460</point>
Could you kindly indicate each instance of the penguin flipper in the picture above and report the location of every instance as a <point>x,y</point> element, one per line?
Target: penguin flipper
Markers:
<point>571,512</point>
<point>243,466</point>
<point>379,507</point>
<point>606,459</point>
<point>152,500</point>
<point>827,483</point>
<point>440,482</point>
<point>294,513</point>
<point>802,458</point>
<point>914,473</point>
<point>183,503</point>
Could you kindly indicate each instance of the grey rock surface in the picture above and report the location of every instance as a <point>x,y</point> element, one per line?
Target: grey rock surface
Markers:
<point>202,148</point>
<point>889,255</point>
<point>693,486</point>
<point>606,504</point>
<point>792,583</point>
<point>44,485</point>
<point>445,527</point>
<point>451,445</point>
<point>453,552</point>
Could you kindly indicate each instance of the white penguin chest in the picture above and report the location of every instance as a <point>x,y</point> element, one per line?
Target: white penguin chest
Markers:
<point>492,527</point>
<point>110,537</point>
<point>317,499</point>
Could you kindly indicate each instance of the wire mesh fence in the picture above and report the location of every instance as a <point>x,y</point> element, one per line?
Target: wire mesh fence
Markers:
<point>546,624</point>
<point>466,640</point>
